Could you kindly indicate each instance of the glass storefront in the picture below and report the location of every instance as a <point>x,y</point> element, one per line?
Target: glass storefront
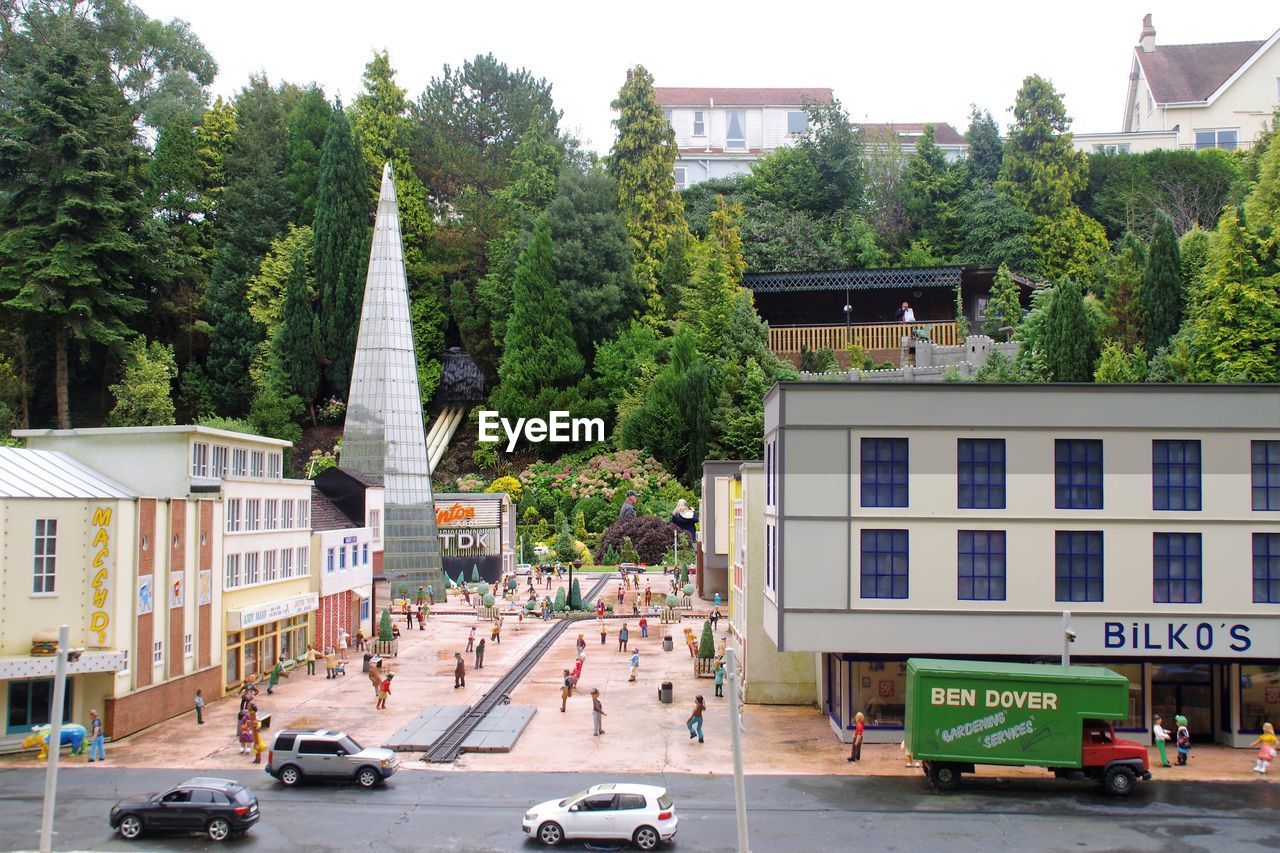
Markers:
<point>1259,697</point>
<point>253,652</point>
<point>881,688</point>
<point>1186,689</point>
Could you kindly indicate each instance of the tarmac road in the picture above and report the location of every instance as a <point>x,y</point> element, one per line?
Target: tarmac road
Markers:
<point>425,811</point>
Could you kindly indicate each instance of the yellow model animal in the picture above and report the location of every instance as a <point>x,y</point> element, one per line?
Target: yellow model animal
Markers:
<point>73,735</point>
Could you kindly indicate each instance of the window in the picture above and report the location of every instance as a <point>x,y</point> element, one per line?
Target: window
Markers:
<point>1225,138</point>
<point>1266,568</point>
<point>268,566</point>
<point>364,610</point>
<point>884,472</point>
<point>271,514</point>
<point>257,463</point>
<point>770,557</point>
<point>1177,568</point>
<point>884,564</point>
<point>667,114</point>
<point>1265,459</point>
<point>303,563</point>
<point>1078,473</point>
<point>199,459</point>
<point>253,514</point>
<point>1111,148</point>
<point>286,562</point>
<point>251,568</point>
<point>981,565</point>
<point>980,470</point>
<point>364,554</point>
<point>797,122</point>
<point>157,653</point>
<point>342,557</point>
<point>45,564</point>
<point>232,579</point>
<point>329,560</point>
<point>274,466</point>
<point>1175,475</point>
<point>682,177</point>
<point>627,802</point>
<point>318,747</point>
<point>375,521</point>
<point>31,704</point>
<point>699,123</point>
<point>304,514</point>
<point>219,468</point>
<point>186,646</point>
<point>233,514</point>
<point>286,515</point>
<point>735,132</point>
<point>239,462</point>
<point>1078,560</point>
<point>1151,103</point>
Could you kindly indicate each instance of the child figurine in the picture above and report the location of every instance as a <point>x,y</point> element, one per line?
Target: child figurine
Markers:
<point>1266,744</point>
<point>1184,739</point>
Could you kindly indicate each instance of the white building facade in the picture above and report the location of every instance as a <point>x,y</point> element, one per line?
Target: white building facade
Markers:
<point>965,524</point>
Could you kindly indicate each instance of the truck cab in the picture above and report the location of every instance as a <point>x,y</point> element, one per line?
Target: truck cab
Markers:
<point>1115,762</point>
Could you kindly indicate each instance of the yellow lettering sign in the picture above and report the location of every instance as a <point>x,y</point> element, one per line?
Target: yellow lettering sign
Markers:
<point>100,579</point>
<point>101,538</point>
<point>99,597</point>
<point>99,622</point>
<point>102,516</point>
<point>100,557</point>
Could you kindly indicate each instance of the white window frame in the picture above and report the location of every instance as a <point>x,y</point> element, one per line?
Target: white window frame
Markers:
<point>681,175</point>
<point>44,561</point>
<point>271,514</point>
<point>253,514</point>
<point>257,463</point>
<point>304,515</point>
<point>199,459</point>
<point>232,577</point>
<point>187,646</point>
<point>699,123</point>
<point>286,563</point>
<point>286,515</point>
<point>729,142</point>
<point>304,562</point>
<point>1217,142</point>
<point>375,522</point>
<point>791,132</point>
<point>274,466</point>
<point>364,554</point>
<point>218,467</point>
<point>251,569</point>
<point>239,462</point>
<point>232,509</point>
<point>269,567</point>
<point>157,653</point>
<point>330,560</point>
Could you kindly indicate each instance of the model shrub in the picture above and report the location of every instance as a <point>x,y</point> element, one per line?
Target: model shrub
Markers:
<point>707,645</point>
<point>561,604</point>
<point>687,589</point>
<point>531,605</point>
<point>510,485</point>
<point>575,596</point>
<point>385,634</point>
<point>672,601</point>
<point>488,600</point>
<point>610,557</point>
<point>483,589</point>
<point>684,575</point>
<point>650,536</point>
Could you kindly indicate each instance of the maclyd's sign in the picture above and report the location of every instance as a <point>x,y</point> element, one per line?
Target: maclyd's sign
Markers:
<point>272,611</point>
<point>102,563</point>
<point>1209,636</point>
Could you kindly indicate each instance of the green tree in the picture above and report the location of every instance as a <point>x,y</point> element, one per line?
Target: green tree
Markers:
<point>933,189</point>
<point>565,552</point>
<point>707,642</point>
<point>575,596</point>
<point>642,162</point>
<point>297,339</point>
<point>886,190</point>
<point>1004,310</point>
<point>1122,292</point>
<point>265,293</point>
<point>1117,364</point>
<point>341,247</point>
<point>385,632</point>
<point>71,263</point>
<point>997,231</point>
<point>986,151</point>
<point>561,605</point>
<point>307,127</point>
<point>743,436</point>
<point>962,321</point>
<point>674,422</point>
<point>628,360</point>
<point>1162,295</point>
<point>787,177</point>
<point>714,286</point>
<point>539,358</point>
<point>628,553</point>
<point>836,149</point>
<point>1070,337</point>
<point>143,395</point>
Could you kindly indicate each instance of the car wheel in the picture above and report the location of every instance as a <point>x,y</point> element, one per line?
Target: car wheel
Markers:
<point>945,777</point>
<point>219,829</point>
<point>367,777</point>
<point>550,834</point>
<point>290,775</point>
<point>1120,781</point>
<point>130,826</point>
<point>646,838</point>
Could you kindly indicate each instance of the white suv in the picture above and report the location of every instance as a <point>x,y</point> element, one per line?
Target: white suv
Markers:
<point>318,754</point>
<point>642,814</point>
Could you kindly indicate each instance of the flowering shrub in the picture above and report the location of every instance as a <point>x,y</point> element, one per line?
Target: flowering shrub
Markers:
<point>331,411</point>
<point>648,535</point>
<point>510,485</point>
<point>470,483</point>
<point>596,486</point>
<point>323,460</point>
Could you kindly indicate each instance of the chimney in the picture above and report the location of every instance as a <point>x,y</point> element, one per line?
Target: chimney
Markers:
<point>1148,37</point>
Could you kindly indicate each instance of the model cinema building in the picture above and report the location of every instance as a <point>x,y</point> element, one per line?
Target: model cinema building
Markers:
<point>961,520</point>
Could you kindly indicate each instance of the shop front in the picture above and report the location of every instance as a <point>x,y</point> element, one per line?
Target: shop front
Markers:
<point>258,636</point>
<point>476,531</point>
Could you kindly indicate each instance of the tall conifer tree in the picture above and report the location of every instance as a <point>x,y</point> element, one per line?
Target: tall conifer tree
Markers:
<point>296,338</point>
<point>1162,296</point>
<point>1070,339</point>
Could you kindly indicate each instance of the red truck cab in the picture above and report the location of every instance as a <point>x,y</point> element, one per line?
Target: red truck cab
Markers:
<point>1115,762</point>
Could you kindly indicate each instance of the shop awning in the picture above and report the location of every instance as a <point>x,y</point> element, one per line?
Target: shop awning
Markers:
<point>27,666</point>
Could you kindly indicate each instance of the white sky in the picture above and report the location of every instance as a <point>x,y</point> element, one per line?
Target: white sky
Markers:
<point>904,60</point>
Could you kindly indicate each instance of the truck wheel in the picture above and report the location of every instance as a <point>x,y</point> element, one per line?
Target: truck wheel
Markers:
<point>1120,781</point>
<point>945,777</point>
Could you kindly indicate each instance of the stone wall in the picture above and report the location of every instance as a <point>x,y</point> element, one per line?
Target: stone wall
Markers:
<point>924,361</point>
<point>125,715</point>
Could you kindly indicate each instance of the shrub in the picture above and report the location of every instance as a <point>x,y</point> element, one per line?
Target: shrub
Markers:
<point>331,411</point>
<point>488,600</point>
<point>707,645</point>
<point>470,483</point>
<point>610,557</point>
<point>684,575</point>
<point>575,596</point>
<point>385,634</point>
<point>475,574</point>
<point>508,484</point>
<point>483,589</point>
<point>561,604</point>
<point>672,601</point>
<point>531,605</point>
<point>650,538</point>
<point>628,553</point>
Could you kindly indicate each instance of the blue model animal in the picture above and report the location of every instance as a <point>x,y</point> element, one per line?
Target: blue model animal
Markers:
<point>72,734</point>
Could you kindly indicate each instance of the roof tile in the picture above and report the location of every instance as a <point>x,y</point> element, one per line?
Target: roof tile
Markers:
<point>1181,73</point>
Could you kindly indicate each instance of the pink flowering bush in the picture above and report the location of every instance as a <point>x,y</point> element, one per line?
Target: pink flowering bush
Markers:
<point>596,486</point>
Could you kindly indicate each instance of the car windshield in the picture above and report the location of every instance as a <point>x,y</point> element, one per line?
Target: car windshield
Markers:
<point>242,795</point>
<point>574,798</point>
<point>664,800</point>
<point>349,745</point>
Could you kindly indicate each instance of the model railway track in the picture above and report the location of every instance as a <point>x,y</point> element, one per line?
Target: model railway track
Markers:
<point>449,745</point>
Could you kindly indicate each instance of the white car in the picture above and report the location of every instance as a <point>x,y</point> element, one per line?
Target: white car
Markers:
<point>641,814</point>
<point>523,569</point>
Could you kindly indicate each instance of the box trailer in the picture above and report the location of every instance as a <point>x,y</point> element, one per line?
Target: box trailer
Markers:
<point>961,714</point>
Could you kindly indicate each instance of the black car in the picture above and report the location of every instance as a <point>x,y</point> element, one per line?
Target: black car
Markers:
<point>219,808</point>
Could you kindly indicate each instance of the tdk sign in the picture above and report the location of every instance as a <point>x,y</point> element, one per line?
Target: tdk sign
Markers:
<point>1208,638</point>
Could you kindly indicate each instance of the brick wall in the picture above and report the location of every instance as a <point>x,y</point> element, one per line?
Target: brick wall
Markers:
<point>142,665</point>
<point>177,569</point>
<point>125,715</point>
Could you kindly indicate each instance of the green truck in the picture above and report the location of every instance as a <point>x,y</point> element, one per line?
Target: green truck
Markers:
<point>964,713</point>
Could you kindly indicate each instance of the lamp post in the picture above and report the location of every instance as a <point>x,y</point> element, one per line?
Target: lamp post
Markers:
<point>735,729</point>
<point>848,321</point>
<point>55,740</point>
<point>1068,637</point>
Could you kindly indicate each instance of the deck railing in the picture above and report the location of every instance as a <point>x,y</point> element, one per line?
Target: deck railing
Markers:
<point>869,336</point>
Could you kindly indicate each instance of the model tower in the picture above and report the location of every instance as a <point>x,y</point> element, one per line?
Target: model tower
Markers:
<point>383,435</point>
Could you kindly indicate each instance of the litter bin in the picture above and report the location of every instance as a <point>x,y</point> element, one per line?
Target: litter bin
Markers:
<point>667,645</point>
<point>368,656</point>
<point>664,693</point>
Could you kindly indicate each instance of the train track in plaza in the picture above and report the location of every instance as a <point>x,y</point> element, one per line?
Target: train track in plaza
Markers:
<point>449,745</point>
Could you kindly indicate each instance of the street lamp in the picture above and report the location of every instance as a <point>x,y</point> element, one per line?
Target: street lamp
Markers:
<point>1068,637</point>
<point>735,731</point>
<point>65,654</point>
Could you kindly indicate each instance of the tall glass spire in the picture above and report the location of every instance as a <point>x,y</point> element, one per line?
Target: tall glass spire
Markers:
<point>383,435</point>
